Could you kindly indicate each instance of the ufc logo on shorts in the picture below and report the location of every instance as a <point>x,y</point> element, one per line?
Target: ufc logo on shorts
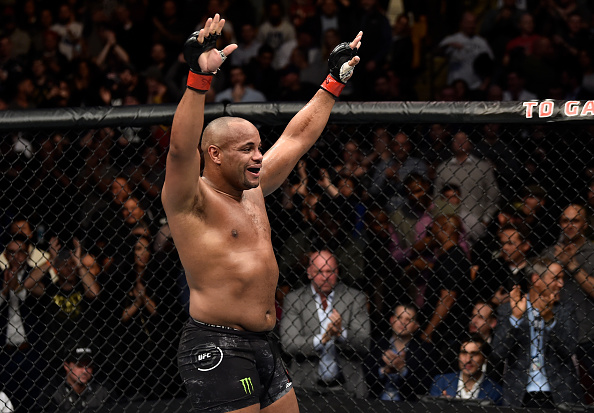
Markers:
<point>204,356</point>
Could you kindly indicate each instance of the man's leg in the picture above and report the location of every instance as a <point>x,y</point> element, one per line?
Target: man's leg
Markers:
<point>286,404</point>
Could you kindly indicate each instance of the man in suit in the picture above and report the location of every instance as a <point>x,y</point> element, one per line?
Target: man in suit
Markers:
<point>537,335</point>
<point>401,365</point>
<point>470,382</point>
<point>325,327</point>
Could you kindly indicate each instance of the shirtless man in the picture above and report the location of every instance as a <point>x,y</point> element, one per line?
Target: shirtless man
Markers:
<point>219,225</point>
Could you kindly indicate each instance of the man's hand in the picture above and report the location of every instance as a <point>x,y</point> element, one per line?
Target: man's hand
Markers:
<point>393,361</point>
<point>518,302</point>
<point>200,48</point>
<point>10,279</point>
<point>334,327</point>
<point>545,305</point>
<point>341,64</point>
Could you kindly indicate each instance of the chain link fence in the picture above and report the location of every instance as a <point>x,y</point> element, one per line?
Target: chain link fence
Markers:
<point>437,219</point>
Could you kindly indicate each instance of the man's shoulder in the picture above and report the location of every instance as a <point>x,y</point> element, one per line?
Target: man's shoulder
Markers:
<point>343,289</point>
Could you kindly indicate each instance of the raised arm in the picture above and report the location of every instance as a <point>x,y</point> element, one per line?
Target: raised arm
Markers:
<point>183,160</point>
<point>307,125</point>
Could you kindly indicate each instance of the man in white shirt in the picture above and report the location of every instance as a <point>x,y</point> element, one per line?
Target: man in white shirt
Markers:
<point>462,48</point>
<point>20,326</point>
<point>537,334</point>
<point>470,382</point>
<point>70,32</point>
<point>239,91</point>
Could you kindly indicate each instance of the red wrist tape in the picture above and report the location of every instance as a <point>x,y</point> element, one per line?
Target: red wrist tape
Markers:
<point>200,82</point>
<point>332,86</point>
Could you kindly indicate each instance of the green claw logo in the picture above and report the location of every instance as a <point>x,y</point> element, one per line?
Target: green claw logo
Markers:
<point>248,387</point>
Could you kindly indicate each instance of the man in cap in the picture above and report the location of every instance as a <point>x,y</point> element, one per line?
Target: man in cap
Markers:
<point>77,390</point>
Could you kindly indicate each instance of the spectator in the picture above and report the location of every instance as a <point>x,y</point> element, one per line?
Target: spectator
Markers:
<point>134,214</point>
<point>542,68</point>
<point>446,299</point>
<point>436,146</point>
<point>309,72</point>
<point>523,45</point>
<point>412,221</point>
<point>291,88</point>
<point>20,362</point>
<point>538,329</point>
<point>128,31</point>
<point>462,48</point>
<point>36,258</point>
<point>69,299</point>
<point>276,29</point>
<point>367,16</point>
<point>332,15</point>
<point>44,19</point>
<point>474,176</point>
<point>149,175</point>
<point>401,50</point>
<point>384,284</point>
<point>86,78</point>
<point>248,46</point>
<point>130,302</point>
<point>496,276</point>
<point>240,90</point>
<point>470,382</point>
<point>483,323</point>
<point>500,25</point>
<point>515,88</point>
<point>329,224</point>
<point>78,390</point>
<point>576,253</point>
<point>106,219</point>
<point>401,364</point>
<point>55,61</point>
<point>23,96</point>
<point>572,40</point>
<point>494,93</point>
<point>69,30</point>
<point>537,211</point>
<point>220,7</point>
<point>496,146</point>
<point>395,163</point>
<point>168,28</point>
<point>265,78</point>
<point>450,203</point>
<point>351,163</point>
<point>112,54</point>
<point>325,328</point>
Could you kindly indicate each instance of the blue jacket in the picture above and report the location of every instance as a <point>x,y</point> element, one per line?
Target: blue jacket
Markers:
<point>489,390</point>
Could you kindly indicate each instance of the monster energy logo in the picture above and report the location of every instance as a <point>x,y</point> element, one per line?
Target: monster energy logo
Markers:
<point>248,387</point>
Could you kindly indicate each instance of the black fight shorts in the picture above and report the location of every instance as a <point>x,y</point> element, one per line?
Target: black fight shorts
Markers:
<point>226,369</point>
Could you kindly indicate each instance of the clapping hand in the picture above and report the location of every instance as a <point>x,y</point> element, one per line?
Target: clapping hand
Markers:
<point>394,361</point>
<point>518,302</point>
<point>334,328</point>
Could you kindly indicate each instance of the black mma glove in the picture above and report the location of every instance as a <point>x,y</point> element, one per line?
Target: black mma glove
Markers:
<point>340,70</point>
<point>197,79</point>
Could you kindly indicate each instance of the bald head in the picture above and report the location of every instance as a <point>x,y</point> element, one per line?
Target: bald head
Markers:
<point>225,130</point>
